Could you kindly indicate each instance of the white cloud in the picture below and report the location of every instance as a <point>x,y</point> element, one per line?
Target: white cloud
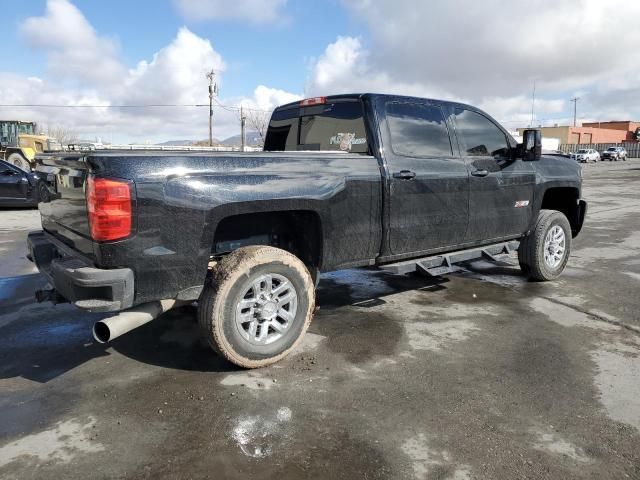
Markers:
<point>346,67</point>
<point>266,98</point>
<point>176,74</point>
<point>489,53</point>
<point>254,11</point>
<point>497,48</point>
<point>75,51</point>
<point>85,69</point>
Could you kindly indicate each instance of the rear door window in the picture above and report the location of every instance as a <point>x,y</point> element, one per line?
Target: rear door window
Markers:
<point>335,126</point>
<point>418,130</point>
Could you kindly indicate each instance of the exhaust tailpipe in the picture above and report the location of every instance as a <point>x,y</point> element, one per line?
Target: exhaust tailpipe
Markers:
<point>106,330</point>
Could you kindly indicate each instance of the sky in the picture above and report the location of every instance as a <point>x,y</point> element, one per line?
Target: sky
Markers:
<point>87,59</point>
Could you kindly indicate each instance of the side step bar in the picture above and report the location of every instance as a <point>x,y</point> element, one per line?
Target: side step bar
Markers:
<point>442,264</point>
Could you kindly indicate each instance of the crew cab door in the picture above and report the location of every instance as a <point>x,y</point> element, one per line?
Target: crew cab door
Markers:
<point>501,188</point>
<point>428,185</point>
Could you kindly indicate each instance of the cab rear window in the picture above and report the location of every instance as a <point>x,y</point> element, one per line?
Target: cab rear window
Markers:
<point>335,126</point>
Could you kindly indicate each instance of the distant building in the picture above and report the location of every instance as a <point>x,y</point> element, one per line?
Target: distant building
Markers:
<point>548,144</point>
<point>626,126</point>
<point>589,133</point>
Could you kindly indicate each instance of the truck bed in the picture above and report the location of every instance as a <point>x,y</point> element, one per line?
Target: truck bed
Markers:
<point>179,198</point>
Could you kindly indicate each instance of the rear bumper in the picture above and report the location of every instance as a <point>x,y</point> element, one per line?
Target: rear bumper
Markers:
<point>77,280</point>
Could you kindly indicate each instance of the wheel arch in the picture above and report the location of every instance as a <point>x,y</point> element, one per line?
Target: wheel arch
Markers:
<point>298,231</point>
<point>566,199</point>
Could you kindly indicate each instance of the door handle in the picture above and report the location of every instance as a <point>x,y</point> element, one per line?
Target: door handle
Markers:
<point>404,175</point>
<point>480,173</point>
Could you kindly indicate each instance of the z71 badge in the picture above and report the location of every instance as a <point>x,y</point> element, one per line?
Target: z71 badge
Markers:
<point>522,203</point>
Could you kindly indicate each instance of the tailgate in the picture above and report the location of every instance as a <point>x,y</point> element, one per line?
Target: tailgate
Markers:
<point>65,216</point>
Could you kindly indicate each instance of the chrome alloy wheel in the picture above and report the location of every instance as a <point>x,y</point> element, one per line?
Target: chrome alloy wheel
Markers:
<point>267,309</point>
<point>554,246</point>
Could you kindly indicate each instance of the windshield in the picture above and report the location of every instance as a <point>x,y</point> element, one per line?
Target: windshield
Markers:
<point>9,131</point>
<point>582,151</point>
<point>26,128</point>
<point>611,149</point>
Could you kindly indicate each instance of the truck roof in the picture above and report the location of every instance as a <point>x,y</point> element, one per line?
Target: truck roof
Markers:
<point>347,96</point>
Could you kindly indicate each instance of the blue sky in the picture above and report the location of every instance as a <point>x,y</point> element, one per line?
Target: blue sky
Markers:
<point>268,52</point>
<point>142,26</point>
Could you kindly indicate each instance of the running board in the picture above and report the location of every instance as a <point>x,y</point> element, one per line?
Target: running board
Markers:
<point>442,264</point>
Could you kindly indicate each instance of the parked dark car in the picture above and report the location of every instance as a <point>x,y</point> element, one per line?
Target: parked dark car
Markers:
<point>406,184</point>
<point>21,189</point>
<point>614,154</point>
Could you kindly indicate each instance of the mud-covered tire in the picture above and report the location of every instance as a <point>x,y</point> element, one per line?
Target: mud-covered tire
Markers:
<point>223,299</point>
<point>531,253</point>
<point>19,161</point>
<point>315,275</point>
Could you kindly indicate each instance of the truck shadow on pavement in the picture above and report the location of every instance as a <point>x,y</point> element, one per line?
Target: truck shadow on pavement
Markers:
<point>41,342</point>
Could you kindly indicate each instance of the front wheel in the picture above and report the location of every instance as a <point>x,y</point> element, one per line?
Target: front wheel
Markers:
<point>544,253</point>
<point>43,193</point>
<point>258,305</point>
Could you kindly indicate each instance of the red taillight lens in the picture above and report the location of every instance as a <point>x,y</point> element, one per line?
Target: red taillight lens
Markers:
<point>108,208</point>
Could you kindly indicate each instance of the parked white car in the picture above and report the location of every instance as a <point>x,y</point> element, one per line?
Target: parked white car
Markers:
<point>586,155</point>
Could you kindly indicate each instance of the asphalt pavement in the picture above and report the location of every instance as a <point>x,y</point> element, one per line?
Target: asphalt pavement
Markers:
<point>479,374</point>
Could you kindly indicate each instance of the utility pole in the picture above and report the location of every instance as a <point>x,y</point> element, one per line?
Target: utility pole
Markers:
<point>533,103</point>
<point>213,90</point>
<point>243,121</point>
<point>575,109</point>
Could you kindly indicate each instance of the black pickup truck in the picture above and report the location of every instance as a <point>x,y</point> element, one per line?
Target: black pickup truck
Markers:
<point>406,184</point>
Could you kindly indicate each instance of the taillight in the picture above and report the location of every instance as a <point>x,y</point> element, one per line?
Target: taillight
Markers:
<point>108,208</point>
<point>307,102</point>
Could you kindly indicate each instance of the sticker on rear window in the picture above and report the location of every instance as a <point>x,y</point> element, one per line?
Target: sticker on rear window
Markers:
<point>346,141</point>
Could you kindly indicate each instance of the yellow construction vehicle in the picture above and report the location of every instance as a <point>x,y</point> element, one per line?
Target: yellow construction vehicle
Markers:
<point>19,143</point>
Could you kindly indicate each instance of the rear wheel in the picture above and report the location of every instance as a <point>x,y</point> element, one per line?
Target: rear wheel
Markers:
<point>544,253</point>
<point>19,161</point>
<point>258,305</point>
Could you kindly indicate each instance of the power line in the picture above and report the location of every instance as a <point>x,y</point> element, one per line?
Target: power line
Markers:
<point>226,107</point>
<point>540,120</point>
<point>216,104</point>
<point>146,105</point>
<point>230,108</point>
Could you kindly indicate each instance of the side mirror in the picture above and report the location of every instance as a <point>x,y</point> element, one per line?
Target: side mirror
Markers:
<point>531,148</point>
